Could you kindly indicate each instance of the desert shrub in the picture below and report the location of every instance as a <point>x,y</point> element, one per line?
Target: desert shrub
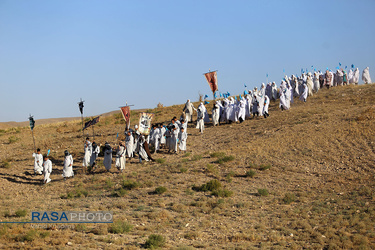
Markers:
<point>183,170</point>
<point>108,183</point>
<point>217,154</point>
<point>81,228</point>
<point>12,139</point>
<point>119,193</point>
<point>196,158</point>
<point>129,184</point>
<point>289,198</point>
<point>212,185</point>
<point>222,193</point>
<point>250,173</point>
<point>160,160</point>
<point>120,227</point>
<point>7,214</point>
<point>5,163</point>
<point>186,154</point>
<point>77,193</point>
<point>100,230</point>
<point>224,159</point>
<point>264,167</point>
<point>21,213</point>
<point>155,241</point>
<point>160,190</point>
<point>263,192</point>
<point>29,236</point>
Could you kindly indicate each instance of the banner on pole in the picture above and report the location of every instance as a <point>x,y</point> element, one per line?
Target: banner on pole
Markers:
<point>32,122</point>
<point>211,78</point>
<point>91,122</point>
<point>125,111</point>
<point>145,123</point>
<point>80,105</point>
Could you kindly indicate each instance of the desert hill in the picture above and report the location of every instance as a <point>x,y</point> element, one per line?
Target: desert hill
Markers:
<point>302,178</point>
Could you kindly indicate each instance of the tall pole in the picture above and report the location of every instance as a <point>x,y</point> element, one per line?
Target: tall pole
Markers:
<point>93,132</point>
<point>32,124</point>
<point>32,131</point>
<point>80,105</point>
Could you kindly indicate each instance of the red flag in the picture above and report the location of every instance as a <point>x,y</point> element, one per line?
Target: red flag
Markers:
<point>211,78</point>
<point>125,111</point>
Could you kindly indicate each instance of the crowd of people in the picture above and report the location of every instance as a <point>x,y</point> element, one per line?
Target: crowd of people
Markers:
<point>172,137</point>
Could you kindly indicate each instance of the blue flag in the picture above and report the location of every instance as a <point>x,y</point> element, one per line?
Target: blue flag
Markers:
<point>49,151</point>
<point>206,102</point>
<point>228,93</point>
<point>337,67</point>
<point>352,66</point>
<point>235,97</point>
<point>284,70</point>
<point>116,136</point>
<point>215,95</point>
<point>221,95</point>
<point>267,75</point>
<point>245,92</point>
<point>339,64</point>
<point>346,67</point>
<point>245,85</point>
<point>240,97</point>
<point>205,96</point>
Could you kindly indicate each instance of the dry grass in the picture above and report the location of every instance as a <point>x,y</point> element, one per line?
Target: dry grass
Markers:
<point>316,161</point>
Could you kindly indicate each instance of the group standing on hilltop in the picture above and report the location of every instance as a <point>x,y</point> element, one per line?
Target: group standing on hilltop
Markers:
<point>173,137</point>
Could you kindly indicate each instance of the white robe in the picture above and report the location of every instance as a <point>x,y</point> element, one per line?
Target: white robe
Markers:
<point>142,151</point>
<point>107,162</point>
<point>242,109</point>
<point>162,135</point>
<point>200,119</point>
<point>316,82</point>
<point>215,114</point>
<point>157,135</point>
<point>120,158</point>
<point>356,76</point>
<point>174,138</point>
<point>310,85</point>
<point>129,143</point>
<point>366,76</point>
<point>68,167</point>
<point>304,94</point>
<point>261,95</point>
<point>274,91</point>
<point>350,76</point>
<point>88,151</point>
<point>94,154</point>
<point>182,140</point>
<point>188,109</point>
<point>266,104</point>
<point>38,163</point>
<point>47,170</point>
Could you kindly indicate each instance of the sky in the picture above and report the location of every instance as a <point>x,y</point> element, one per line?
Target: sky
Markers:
<point>52,53</point>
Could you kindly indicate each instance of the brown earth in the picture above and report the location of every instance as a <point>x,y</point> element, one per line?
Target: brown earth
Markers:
<point>302,178</point>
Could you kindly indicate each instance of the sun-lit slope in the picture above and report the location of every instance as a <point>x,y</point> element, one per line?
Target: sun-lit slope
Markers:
<point>315,162</point>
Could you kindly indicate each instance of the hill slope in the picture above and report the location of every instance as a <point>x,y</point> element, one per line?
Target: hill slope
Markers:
<point>300,178</point>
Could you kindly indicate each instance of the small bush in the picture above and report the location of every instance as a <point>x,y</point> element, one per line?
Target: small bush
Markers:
<point>250,173</point>
<point>264,167</point>
<point>160,190</point>
<point>5,164</point>
<point>12,139</point>
<point>263,192</point>
<point>160,160</point>
<point>155,241</point>
<point>7,214</point>
<point>289,198</point>
<point>81,228</point>
<point>222,193</point>
<point>29,236</point>
<point>224,159</point>
<point>217,154</point>
<point>21,213</point>
<point>119,193</point>
<point>120,227</point>
<point>186,154</point>
<point>212,185</point>
<point>108,183</point>
<point>129,184</point>
<point>183,170</point>
<point>196,158</point>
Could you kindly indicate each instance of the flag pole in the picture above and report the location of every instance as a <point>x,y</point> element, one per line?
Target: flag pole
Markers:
<point>80,104</point>
<point>32,122</point>
<point>93,132</point>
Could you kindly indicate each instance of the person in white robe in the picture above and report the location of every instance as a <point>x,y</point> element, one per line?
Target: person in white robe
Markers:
<point>284,97</point>
<point>242,110</point>
<point>107,162</point>
<point>68,165</point>
<point>168,136</point>
<point>366,76</point>
<point>88,151</point>
<point>310,84</point>
<point>47,169</point>
<point>248,106</point>
<point>162,135</point>
<point>261,95</point>
<point>350,76</point>
<point>255,106</point>
<point>316,82</point>
<point>269,90</point>
<point>142,152</point>
<point>183,124</point>
<point>38,162</point>
<point>274,91</point>
<point>265,106</point>
<point>120,157</point>
<point>94,154</point>
<point>356,76</point>
<point>157,135</point>
<point>305,92</point>
<point>215,114</point>
<point>188,109</point>
<point>339,77</point>
<point>136,135</point>
<point>129,144</point>
<point>200,118</point>
<point>182,137</point>
<point>174,139</point>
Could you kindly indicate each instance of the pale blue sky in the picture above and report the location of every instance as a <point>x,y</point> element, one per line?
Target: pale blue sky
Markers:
<point>52,53</point>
